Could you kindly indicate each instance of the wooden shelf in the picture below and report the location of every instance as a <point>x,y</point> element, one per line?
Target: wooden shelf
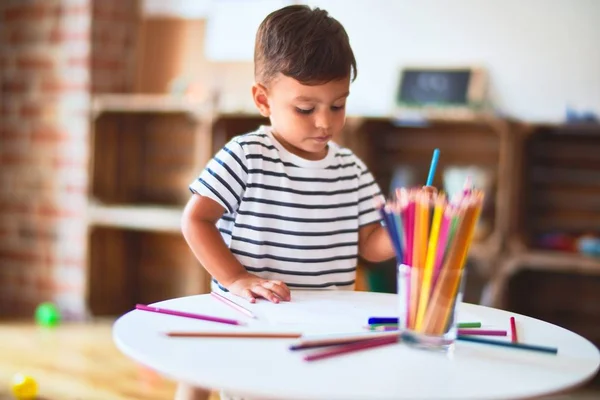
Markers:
<point>145,218</point>
<point>146,103</point>
<point>558,261</point>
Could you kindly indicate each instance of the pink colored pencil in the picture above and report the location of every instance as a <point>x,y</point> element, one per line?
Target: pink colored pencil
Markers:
<point>232,304</point>
<point>188,315</point>
<point>353,347</point>
<point>513,330</point>
<point>409,230</point>
<point>481,332</point>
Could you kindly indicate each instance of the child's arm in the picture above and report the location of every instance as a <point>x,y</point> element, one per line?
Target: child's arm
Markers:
<point>199,229</point>
<point>374,243</point>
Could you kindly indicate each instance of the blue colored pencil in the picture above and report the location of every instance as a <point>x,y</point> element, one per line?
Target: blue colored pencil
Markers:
<point>433,166</point>
<point>521,346</point>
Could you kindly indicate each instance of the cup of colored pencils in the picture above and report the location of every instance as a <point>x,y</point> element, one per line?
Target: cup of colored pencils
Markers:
<point>431,236</point>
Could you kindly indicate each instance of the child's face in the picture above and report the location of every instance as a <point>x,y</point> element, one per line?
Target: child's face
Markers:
<point>304,118</point>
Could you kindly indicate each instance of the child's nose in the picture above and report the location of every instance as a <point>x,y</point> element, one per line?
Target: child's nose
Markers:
<point>323,120</point>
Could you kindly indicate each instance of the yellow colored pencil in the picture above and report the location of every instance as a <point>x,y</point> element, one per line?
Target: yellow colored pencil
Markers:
<point>430,261</point>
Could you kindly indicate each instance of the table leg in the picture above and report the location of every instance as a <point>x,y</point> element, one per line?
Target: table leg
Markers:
<point>187,392</point>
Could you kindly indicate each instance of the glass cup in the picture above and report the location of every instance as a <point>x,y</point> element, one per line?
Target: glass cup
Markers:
<point>428,305</point>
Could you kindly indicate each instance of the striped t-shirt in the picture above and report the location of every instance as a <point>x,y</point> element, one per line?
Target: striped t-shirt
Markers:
<point>289,218</point>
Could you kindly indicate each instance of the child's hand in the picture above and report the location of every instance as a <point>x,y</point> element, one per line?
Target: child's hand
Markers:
<point>252,287</point>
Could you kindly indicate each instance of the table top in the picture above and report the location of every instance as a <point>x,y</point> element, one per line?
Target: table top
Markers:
<point>266,368</point>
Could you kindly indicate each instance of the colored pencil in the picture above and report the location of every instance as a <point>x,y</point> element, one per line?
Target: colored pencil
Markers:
<point>430,261</point>
<point>481,332</point>
<point>433,166</point>
<point>308,343</point>
<point>520,346</point>
<point>352,348</point>
<point>251,335</point>
<point>233,304</point>
<point>188,315</point>
<point>513,330</point>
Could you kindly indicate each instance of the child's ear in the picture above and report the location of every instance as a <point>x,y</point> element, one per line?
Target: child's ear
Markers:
<point>259,94</point>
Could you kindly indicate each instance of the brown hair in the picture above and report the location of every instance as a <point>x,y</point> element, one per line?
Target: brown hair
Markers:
<point>305,44</point>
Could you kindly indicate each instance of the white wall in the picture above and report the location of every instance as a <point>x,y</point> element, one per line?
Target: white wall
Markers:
<point>541,55</point>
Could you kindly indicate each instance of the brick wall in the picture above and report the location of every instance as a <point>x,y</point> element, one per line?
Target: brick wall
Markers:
<point>45,97</point>
<point>114,34</point>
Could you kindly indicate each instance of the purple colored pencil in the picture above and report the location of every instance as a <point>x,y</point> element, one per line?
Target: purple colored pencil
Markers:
<point>188,315</point>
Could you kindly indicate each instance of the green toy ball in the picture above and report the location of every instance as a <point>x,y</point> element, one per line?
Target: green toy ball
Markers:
<point>47,314</point>
<point>24,387</point>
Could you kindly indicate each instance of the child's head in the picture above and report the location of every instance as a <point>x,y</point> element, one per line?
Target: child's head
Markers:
<point>303,65</point>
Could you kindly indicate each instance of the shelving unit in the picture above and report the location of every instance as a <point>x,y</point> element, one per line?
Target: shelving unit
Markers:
<point>145,150</point>
<point>558,184</point>
<point>484,142</point>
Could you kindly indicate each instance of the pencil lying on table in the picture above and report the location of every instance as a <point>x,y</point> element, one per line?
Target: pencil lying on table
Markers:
<point>184,314</point>
<point>232,304</point>
<point>255,335</point>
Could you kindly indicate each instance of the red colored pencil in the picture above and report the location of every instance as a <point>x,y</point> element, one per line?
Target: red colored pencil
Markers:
<point>513,330</point>
<point>353,347</point>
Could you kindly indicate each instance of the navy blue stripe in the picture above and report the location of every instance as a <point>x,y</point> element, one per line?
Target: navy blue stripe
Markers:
<point>202,181</point>
<point>225,231</point>
<point>292,259</point>
<point>295,246</point>
<point>368,210</point>
<point>344,154</point>
<point>366,198</point>
<point>366,184</point>
<point>224,183</point>
<point>366,171</point>
<point>301,179</point>
<point>303,220</point>
<point>352,164</point>
<point>300,273</point>
<point>227,217</point>
<point>236,158</point>
<point>231,172</point>
<point>294,233</point>
<point>266,146</point>
<point>273,160</point>
<point>298,205</point>
<point>319,286</point>
<point>303,192</point>
<point>223,288</point>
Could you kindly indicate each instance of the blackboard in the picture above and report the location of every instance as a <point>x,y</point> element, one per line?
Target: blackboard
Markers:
<point>434,87</point>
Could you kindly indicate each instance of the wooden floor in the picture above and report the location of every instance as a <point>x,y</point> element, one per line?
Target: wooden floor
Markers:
<point>80,362</point>
<point>75,362</point>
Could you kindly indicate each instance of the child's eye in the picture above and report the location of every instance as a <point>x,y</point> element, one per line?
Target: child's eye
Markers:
<point>337,108</point>
<point>303,111</point>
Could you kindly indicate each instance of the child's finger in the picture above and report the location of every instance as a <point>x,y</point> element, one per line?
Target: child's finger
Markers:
<point>280,290</point>
<point>248,295</point>
<point>266,293</point>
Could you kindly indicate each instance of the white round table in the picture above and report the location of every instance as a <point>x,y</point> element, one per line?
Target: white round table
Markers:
<point>266,368</point>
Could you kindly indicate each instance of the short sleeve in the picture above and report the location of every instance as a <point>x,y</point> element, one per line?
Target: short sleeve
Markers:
<point>368,194</point>
<point>224,177</point>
